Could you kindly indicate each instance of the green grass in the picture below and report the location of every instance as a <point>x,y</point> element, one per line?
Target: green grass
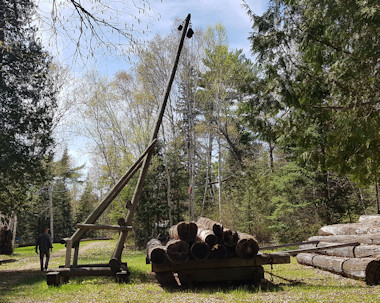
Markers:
<point>22,282</point>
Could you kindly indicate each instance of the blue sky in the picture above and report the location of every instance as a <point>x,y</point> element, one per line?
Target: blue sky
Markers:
<point>204,13</point>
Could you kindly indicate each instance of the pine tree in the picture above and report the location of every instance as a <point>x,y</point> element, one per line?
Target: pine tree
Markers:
<point>28,101</point>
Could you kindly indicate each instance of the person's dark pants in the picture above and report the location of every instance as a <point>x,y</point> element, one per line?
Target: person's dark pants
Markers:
<point>42,254</point>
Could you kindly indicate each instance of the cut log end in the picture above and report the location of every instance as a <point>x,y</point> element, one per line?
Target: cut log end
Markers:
<point>200,250</point>
<point>372,273</point>
<point>186,231</point>
<point>247,246</point>
<point>177,251</point>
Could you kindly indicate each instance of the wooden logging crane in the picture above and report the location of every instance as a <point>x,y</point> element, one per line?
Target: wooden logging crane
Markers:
<point>115,267</point>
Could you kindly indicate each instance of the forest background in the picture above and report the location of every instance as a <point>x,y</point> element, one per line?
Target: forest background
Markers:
<point>275,146</point>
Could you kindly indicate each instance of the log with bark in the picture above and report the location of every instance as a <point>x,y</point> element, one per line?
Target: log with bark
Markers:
<point>199,250</point>
<point>370,239</point>
<point>230,237</point>
<point>358,251</point>
<point>367,269</point>
<point>350,229</point>
<point>369,218</point>
<point>186,231</point>
<point>207,236</point>
<point>216,227</point>
<point>177,251</point>
<point>247,246</point>
<point>155,251</point>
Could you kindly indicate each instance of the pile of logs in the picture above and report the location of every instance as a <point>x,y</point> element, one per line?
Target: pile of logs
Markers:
<point>360,261</point>
<point>200,240</point>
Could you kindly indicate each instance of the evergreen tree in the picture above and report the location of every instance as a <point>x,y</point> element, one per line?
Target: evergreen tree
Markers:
<point>27,104</point>
<point>319,84</point>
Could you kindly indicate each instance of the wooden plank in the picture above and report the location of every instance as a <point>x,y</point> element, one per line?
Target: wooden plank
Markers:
<point>260,259</point>
<point>315,249</point>
<point>84,271</point>
<point>251,274</point>
<point>107,227</point>
<point>272,247</point>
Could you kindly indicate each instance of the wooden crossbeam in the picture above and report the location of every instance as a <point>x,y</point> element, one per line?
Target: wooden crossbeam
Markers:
<point>107,227</point>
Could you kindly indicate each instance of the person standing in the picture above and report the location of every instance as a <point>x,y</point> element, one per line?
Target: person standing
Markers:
<point>45,246</point>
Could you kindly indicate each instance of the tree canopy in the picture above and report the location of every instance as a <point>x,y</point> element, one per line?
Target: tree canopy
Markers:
<point>28,100</point>
<point>319,81</point>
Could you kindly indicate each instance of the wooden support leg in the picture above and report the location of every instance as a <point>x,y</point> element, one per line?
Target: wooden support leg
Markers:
<point>69,245</point>
<point>76,254</point>
<point>120,246</point>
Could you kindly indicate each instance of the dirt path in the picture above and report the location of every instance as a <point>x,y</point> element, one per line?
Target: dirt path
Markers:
<point>32,263</point>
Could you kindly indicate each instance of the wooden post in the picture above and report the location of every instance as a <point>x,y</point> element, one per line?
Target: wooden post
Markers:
<point>76,254</point>
<point>145,166</point>
<point>137,193</point>
<point>69,245</point>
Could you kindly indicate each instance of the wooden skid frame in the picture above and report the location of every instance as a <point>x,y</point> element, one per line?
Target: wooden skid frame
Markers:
<point>260,259</point>
<point>252,274</point>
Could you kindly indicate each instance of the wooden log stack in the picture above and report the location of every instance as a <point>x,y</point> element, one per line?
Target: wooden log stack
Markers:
<point>361,261</point>
<point>198,242</point>
<point>205,251</point>
<point>201,240</point>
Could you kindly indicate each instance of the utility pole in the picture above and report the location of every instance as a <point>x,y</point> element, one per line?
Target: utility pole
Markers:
<point>50,190</point>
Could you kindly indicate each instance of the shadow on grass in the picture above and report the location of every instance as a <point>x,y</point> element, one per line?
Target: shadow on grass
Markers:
<point>224,287</point>
<point>12,279</point>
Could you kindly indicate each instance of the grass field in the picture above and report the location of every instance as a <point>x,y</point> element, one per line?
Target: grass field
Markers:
<point>22,281</point>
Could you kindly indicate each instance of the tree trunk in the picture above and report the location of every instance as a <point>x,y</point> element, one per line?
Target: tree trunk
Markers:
<point>271,161</point>
<point>350,229</point>
<point>367,269</point>
<point>177,251</point>
<point>155,251</point>
<point>247,246</point>
<point>186,231</point>
<point>377,197</point>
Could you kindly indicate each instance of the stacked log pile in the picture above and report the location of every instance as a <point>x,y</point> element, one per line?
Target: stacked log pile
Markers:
<point>201,240</point>
<point>361,261</point>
